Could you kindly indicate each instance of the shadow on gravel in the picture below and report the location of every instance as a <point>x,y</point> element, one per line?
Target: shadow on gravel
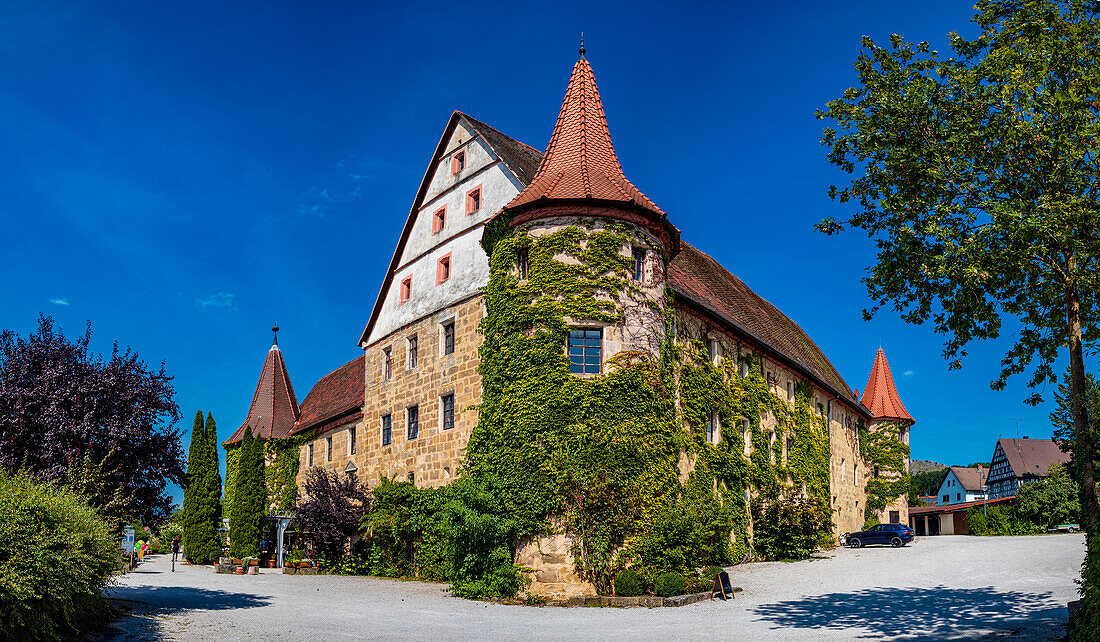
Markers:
<point>168,600</point>
<point>918,613</point>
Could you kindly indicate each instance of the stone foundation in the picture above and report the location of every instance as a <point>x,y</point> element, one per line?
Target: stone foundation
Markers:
<point>553,572</point>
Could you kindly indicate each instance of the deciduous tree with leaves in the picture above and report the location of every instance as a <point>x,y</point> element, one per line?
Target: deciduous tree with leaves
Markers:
<point>978,176</point>
<point>64,407</point>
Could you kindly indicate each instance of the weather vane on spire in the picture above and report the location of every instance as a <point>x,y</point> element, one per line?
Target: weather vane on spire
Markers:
<point>275,329</point>
<point>582,45</point>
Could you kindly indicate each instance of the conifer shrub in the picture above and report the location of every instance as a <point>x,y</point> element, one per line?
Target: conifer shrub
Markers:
<point>628,583</point>
<point>247,515</point>
<point>202,497</point>
<point>668,585</point>
<point>56,557</point>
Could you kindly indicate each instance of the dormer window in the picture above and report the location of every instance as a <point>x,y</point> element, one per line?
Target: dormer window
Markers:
<point>473,200</point>
<point>443,269</point>
<point>406,289</point>
<point>458,162</point>
<point>439,219</point>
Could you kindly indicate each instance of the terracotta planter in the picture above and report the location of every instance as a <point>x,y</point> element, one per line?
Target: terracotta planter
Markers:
<point>305,564</point>
<point>239,571</point>
<point>237,561</point>
<point>269,564</point>
<point>253,570</point>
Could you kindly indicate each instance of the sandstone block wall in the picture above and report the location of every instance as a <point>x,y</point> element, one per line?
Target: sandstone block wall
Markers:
<point>435,454</point>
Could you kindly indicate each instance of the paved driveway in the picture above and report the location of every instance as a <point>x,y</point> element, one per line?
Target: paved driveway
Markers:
<point>936,588</point>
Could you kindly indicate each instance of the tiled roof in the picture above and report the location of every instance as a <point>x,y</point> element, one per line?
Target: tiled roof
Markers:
<point>522,159</point>
<point>699,278</point>
<point>580,162</point>
<point>338,395</point>
<point>972,479</point>
<point>880,396</point>
<point>274,407</point>
<point>1032,457</point>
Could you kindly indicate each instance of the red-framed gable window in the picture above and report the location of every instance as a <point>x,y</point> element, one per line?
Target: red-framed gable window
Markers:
<point>473,200</point>
<point>458,162</point>
<point>439,219</point>
<point>406,289</point>
<point>443,268</point>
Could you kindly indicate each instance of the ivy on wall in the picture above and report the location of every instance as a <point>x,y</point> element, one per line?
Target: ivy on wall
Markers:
<point>601,453</point>
<point>282,459</point>
<point>885,455</point>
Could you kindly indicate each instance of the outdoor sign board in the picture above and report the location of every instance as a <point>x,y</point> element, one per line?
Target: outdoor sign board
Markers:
<point>127,540</point>
<point>722,586</point>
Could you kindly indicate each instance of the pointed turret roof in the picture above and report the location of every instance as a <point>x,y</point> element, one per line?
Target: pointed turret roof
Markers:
<point>880,396</point>
<point>580,163</point>
<point>274,407</point>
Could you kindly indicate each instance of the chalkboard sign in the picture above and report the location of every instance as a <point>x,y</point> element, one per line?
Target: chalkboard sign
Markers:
<point>722,587</point>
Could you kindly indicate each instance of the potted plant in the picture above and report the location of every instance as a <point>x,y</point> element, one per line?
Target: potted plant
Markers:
<point>292,562</point>
<point>306,563</point>
<point>237,561</point>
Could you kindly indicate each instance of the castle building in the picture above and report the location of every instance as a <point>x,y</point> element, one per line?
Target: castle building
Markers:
<point>416,408</point>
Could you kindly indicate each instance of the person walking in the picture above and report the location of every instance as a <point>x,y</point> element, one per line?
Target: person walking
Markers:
<point>175,551</point>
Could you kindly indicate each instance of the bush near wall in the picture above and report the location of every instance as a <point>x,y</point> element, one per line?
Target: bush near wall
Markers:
<point>56,557</point>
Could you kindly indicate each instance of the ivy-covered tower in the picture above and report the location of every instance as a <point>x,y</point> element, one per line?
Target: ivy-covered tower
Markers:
<point>888,431</point>
<point>580,184</point>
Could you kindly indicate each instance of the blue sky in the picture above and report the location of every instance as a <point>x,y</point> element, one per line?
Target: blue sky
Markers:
<point>185,176</point>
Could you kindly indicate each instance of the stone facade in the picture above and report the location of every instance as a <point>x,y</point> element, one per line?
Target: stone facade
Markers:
<point>434,455</point>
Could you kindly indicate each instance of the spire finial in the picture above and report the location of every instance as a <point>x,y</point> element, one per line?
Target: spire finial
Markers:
<point>275,330</point>
<point>581,52</point>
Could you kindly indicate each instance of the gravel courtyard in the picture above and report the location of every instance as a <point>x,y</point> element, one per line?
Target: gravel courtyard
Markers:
<point>936,588</point>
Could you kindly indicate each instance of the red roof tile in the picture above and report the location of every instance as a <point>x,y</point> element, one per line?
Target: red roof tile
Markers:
<point>337,397</point>
<point>274,407</point>
<point>880,396</point>
<point>580,162</point>
<point>951,508</point>
<point>699,278</point>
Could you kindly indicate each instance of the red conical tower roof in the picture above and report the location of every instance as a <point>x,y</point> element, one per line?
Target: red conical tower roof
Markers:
<point>274,407</point>
<point>880,396</point>
<point>580,165</point>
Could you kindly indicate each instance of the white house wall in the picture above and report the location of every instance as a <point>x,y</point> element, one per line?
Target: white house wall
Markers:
<point>461,237</point>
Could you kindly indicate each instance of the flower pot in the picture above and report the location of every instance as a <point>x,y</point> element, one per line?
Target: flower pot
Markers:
<point>237,561</point>
<point>253,570</point>
<point>305,564</point>
<point>269,564</point>
<point>239,571</point>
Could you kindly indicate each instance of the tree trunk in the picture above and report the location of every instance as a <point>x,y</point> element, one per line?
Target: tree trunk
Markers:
<point>1082,436</point>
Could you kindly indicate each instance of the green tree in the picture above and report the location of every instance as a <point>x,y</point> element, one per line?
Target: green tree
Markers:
<point>194,490</point>
<point>1062,418</point>
<point>247,513</point>
<point>1050,501</point>
<point>976,174</point>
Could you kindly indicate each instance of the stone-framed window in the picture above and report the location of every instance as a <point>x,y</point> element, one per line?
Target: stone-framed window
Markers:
<point>585,350</point>
<point>712,350</point>
<point>443,269</point>
<point>713,430</point>
<point>447,337</point>
<point>522,257</point>
<point>387,364</point>
<point>473,200</point>
<point>639,264</point>
<point>412,356</point>
<point>458,162</point>
<point>790,392</point>
<point>439,220</point>
<point>412,477</point>
<point>351,441</point>
<point>328,448</point>
<point>447,411</point>
<point>309,456</point>
<point>387,429</point>
<point>412,421</point>
<point>405,293</point>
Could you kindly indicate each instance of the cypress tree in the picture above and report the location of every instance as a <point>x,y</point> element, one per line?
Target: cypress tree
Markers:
<point>195,483</point>
<point>203,547</point>
<point>247,513</point>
